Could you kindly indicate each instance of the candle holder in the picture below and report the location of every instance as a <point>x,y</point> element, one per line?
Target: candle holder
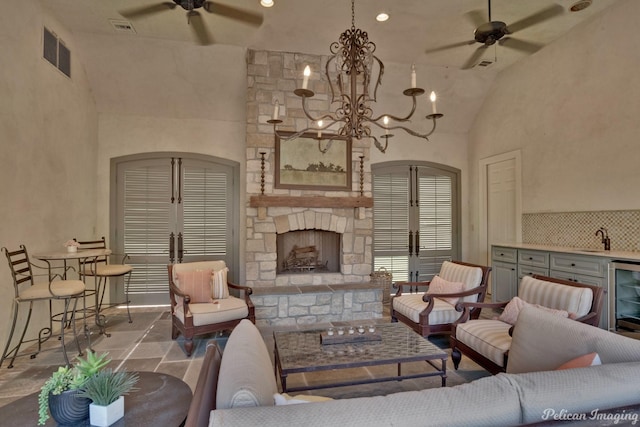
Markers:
<point>361,175</point>
<point>262,154</point>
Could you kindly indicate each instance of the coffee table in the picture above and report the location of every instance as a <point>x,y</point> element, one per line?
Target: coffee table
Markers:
<point>302,351</point>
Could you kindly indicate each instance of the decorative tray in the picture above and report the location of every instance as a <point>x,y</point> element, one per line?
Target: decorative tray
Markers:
<point>325,338</point>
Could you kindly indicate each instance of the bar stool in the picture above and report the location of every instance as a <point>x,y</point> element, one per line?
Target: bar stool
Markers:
<point>101,270</point>
<point>27,291</point>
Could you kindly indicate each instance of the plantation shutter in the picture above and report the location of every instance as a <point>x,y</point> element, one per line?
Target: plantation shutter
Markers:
<point>416,220</point>
<point>435,222</point>
<point>205,212</point>
<point>148,220</point>
<point>391,222</point>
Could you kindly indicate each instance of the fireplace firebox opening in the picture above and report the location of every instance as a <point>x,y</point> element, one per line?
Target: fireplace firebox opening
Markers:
<point>308,251</point>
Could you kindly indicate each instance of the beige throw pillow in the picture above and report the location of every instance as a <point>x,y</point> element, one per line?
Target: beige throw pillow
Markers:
<point>440,286</point>
<point>220,288</point>
<point>512,310</point>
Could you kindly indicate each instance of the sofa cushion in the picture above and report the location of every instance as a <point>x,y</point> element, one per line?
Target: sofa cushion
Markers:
<point>555,295</point>
<point>470,276</point>
<point>440,286</point>
<point>217,311</point>
<point>463,405</point>
<point>246,372</point>
<point>410,305</point>
<point>543,342</point>
<point>576,391</point>
<point>488,337</point>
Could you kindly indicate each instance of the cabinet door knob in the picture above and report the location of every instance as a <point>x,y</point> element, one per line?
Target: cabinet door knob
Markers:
<point>530,258</point>
<point>573,265</point>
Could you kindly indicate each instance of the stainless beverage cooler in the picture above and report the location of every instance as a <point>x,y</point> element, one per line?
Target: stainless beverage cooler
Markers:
<point>625,301</point>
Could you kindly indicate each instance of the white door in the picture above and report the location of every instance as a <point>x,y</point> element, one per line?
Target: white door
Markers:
<point>501,216</point>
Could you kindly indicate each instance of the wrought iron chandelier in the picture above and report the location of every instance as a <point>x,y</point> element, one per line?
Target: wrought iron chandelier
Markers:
<point>354,85</point>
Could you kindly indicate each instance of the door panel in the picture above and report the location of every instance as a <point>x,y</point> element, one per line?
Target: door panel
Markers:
<point>415,220</point>
<point>172,209</point>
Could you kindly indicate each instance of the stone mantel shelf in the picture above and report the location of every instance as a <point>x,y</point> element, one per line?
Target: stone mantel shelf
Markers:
<point>263,201</point>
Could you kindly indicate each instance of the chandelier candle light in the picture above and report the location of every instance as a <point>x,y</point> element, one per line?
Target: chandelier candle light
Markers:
<point>354,85</point>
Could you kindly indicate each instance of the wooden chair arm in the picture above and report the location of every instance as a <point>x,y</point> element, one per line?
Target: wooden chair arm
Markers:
<point>246,289</point>
<point>410,286</point>
<point>588,318</point>
<point>467,307</point>
<point>473,291</point>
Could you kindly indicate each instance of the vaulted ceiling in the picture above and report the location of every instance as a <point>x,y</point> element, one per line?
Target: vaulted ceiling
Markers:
<point>415,32</point>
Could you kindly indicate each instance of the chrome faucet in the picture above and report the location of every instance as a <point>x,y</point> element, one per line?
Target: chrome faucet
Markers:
<point>605,238</point>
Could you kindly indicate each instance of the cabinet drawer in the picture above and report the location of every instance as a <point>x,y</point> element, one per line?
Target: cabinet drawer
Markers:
<point>499,253</point>
<point>527,270</point>
<point>579,278</point>
<point>533,258</point>
<point>589,266</point>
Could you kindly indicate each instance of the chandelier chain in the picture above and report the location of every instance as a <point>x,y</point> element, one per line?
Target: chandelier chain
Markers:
<point>353,14</point>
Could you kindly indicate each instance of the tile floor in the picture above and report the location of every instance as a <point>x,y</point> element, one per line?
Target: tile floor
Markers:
<point>146,345</point>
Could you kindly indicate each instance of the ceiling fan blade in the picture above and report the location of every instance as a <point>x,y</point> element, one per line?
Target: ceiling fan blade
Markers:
<point>520,44</point>
<point>137,12</point>
<point>251,18</point>
<point>477,17</point>
<point>199,28</point>
<point>536,18</point>
<point>450,46</point>
<point>475,57</point>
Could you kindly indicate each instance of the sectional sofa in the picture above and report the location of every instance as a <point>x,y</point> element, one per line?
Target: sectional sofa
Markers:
<point>236,389</point>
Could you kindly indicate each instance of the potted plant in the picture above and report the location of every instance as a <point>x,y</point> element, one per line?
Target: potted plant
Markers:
<point>107,389</point>
<point>59,394</point>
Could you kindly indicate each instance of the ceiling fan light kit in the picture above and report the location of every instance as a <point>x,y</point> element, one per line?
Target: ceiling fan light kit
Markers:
<point>357,74</point>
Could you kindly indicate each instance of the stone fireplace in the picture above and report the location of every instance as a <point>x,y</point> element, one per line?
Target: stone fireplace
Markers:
<point>308,251</point>
<point>343,291</point>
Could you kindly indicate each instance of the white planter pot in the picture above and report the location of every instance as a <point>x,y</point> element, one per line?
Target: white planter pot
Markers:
<point>72,249</point>
<point>104,416</point>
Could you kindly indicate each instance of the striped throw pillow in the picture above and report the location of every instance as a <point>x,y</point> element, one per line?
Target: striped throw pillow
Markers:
<point>220,288</point>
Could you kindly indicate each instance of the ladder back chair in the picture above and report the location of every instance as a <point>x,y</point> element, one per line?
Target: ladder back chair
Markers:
<point>102,270</point>
<point>26,291</point>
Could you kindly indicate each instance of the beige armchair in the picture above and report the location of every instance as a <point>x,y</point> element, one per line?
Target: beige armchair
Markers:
<point>429,313</point>
<point>487,341</point>
<point>197,310</point>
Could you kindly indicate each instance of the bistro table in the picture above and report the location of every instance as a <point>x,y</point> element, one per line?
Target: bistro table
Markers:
<point>82,256</point>
<point>159,400</point>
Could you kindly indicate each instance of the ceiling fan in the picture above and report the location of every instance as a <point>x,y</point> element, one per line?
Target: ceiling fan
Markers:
<point>194,19</point>
<point>489,32</point>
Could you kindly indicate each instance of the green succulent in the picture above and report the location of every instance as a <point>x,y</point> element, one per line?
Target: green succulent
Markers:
<point>69,378</point>
<point>106,386</point>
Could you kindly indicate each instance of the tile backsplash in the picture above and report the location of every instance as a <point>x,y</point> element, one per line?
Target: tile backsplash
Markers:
<point>577,229</point>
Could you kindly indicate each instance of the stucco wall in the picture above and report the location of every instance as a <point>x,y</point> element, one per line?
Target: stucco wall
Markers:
<point>572,108</point>
<point>48,138</point>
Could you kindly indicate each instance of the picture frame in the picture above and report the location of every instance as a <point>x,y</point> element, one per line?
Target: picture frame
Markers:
<point>301,165</point>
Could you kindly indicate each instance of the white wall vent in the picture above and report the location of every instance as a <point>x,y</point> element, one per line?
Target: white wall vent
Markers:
<point>56,52</point>
<point>122,26</point>
<point>484,63</point>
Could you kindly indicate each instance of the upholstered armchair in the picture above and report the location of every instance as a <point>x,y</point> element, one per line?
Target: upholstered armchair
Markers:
<point>432,312</point>
<point>202,301</point>
<point>487,341</point>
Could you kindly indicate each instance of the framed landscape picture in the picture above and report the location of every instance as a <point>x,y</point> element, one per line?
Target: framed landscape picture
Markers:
<point>300,164</point>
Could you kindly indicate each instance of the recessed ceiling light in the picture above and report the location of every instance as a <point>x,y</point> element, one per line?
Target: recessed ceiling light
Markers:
<point>382,16</point>
<point>266,3</point>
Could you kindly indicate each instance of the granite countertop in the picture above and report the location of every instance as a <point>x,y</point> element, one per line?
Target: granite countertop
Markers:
<point>612,255</point>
